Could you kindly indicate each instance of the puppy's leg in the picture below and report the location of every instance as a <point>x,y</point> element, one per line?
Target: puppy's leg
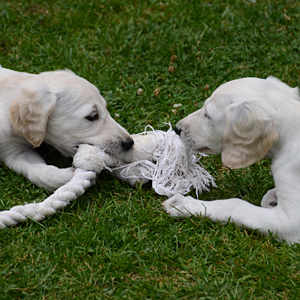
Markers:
<point>269,200</point>
<point>28,163</point>
<point>242,213</point>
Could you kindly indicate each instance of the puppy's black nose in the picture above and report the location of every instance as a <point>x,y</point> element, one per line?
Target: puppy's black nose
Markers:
<point>177,130</point>
<point>128,143</point>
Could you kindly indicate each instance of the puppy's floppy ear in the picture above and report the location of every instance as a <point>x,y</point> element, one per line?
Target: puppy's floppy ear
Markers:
<point>30,110</point>
<point>250,133</point>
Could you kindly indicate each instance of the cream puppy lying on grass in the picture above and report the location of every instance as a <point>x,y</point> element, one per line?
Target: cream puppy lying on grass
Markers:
<point>59,108</point>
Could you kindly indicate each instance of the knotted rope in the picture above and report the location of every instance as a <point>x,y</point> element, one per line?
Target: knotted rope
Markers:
<point>81,180</point>
<point>158,156</point>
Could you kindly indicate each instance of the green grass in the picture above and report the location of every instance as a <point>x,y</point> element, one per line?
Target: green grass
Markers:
<point>116,242</point>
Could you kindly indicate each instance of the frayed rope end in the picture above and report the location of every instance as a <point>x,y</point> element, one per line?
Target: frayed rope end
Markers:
<point>171,167</point>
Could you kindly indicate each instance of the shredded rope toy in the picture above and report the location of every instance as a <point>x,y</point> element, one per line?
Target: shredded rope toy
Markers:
<point>157,155</point>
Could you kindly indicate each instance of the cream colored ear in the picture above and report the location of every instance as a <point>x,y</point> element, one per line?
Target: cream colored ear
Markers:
<point>30,110</point>
<point>250,133</point>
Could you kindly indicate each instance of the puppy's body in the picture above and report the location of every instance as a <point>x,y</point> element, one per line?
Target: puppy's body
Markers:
<point>246,120</point>
<point>60,108</point>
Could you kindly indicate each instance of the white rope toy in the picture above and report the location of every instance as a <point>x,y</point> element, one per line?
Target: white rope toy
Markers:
<point>157,155</point>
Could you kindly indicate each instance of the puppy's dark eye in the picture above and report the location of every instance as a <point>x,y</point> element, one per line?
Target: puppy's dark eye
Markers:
<point>93,117</point>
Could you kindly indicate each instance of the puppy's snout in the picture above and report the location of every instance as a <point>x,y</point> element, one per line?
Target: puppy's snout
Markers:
<point>177,130</point>
<point>127,144</point>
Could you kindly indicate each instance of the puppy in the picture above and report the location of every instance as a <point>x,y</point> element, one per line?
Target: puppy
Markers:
<point>246,120</point>
<point>59,108</point>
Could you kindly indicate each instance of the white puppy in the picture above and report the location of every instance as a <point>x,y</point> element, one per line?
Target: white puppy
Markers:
<point>246,120</point>
<point>60,108</point>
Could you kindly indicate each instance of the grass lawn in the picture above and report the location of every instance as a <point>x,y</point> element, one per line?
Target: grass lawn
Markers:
<point>116,242</point>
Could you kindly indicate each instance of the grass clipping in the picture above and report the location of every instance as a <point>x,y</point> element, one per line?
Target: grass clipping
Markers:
<point>161,157</point>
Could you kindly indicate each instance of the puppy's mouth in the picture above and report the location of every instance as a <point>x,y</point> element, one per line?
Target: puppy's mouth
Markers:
<point>206,150</point>
<point>78,144</point>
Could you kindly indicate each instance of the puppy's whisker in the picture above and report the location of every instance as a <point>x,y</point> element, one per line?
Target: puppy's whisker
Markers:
<point>50,152</point>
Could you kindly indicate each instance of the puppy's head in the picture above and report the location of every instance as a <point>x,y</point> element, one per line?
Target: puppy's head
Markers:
<point>238,121</point>
<point>65,110</point>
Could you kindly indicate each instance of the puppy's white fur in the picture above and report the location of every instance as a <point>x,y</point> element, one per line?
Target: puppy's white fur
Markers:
<point>60,108</point>
<point>246,120</point>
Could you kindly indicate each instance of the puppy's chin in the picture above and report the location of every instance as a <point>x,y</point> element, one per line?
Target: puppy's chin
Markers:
<point>67,152</point>
<point>205,150</point>
<point>192,147</point>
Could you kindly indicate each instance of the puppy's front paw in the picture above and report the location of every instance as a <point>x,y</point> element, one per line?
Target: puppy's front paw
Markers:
<point>180,206</point>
